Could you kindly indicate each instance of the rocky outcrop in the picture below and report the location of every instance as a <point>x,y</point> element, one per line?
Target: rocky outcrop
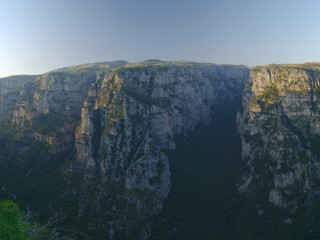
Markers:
<point>131,116</point>
<point>11,90</point>
<point>279,125</point>
<point>45,108</point>
<point>121,119</point>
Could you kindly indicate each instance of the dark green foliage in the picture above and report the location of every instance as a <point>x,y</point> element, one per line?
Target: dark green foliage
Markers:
<point>147,99</point>
<point>147,68</point>
<point>5,128</point>
<point>316,90</point>
<point>13,222</point>
<point>315,143</point>
<point>14,225</point>
<point>92,67</point>
<point>204,203</point>
<point>21,77</point>
<point>269,95</point>
<point>48,123</point>
<point>96,120</point>
<point>144,99</point>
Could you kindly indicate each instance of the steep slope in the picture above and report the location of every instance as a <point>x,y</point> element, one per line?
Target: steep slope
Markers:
<point>130,118</point>
<point>203,202</point>
<point>118,146</point>
<point>11,89</point>
<point>280,126</point>
<point>93,141</point>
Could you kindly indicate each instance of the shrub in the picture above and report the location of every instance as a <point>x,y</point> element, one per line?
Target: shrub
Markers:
<point>13,222</point>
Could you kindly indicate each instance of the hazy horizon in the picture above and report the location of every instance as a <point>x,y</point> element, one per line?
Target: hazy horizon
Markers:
<point>40,36</point>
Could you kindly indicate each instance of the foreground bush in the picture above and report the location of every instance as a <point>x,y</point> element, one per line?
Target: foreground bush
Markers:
<point>13,222</point>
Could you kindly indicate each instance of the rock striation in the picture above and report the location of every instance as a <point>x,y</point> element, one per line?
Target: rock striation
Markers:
<point>279,126</point>
<point>132,115</point>
<point>115,122</point>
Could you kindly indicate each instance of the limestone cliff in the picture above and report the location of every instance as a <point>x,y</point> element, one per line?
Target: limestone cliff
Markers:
<point>121,120</point>
<point>93,140</point>
<point>11,89</point>
<point>130,119</point>
<point>280,130</point>
<point>47,107</point>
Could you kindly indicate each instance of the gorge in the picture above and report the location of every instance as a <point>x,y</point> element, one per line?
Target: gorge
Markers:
<point>165,150</point>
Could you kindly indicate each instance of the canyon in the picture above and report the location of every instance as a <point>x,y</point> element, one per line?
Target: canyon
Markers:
<point>119,147</point>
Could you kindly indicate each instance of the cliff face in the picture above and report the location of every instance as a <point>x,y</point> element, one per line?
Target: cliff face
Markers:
<point>280,126</point>
<point>129,121</point>
<point>121,119</point>
<point>47,108</point>
<point>11,89</point>
<point>94,140</point>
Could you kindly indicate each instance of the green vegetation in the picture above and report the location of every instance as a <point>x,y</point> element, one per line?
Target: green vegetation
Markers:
<point>269,95</point>
<point>146,99</point>
<point>21,77</point>
<point>15,225</point>
<point>134,93</point>
<point>313,66</point>
<point>316,90</point>
<point>204,203</point>
<point>13,222</point>
<point>48,123</point>
<point>257,69</point>
<point>122,110</point>
<point>92,67</point>
<point>158,65</point>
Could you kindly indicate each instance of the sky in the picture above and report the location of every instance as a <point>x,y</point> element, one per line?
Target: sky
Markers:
<point>37,36</point>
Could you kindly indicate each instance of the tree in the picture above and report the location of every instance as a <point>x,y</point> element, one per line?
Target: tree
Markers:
<point>13,222</point>
<point>14,225</point>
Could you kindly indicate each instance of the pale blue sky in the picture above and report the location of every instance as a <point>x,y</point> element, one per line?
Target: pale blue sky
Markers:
<point>37,36</point>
